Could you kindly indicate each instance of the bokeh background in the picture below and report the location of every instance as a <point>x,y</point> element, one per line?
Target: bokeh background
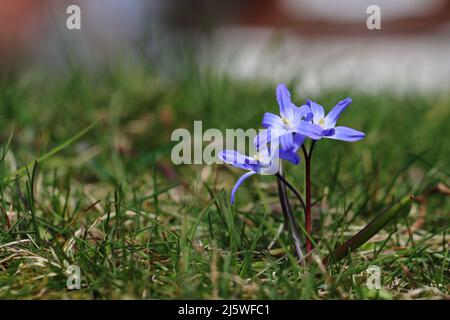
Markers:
<point>324,42</point>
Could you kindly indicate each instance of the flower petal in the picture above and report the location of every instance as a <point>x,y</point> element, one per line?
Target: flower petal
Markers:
<point>284,101</point>
<point>303,111</point>
<point>347,134</point>
<point>238,183</point>
<point>237,159</point>
<point>273,168</point>
<point>271,120</point>
<point>287,142</point>
<point>298,141</point>
<point>333,115</point>
<point>317,111</point>
<point>266,136</point>
<point>290,156</point>
<point>310,130</point>
<point>309,117</point>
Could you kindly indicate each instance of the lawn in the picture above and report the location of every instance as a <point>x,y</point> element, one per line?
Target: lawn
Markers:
<point>112,203</point>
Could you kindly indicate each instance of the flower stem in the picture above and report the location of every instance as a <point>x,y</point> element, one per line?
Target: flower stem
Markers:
<point>288,216</point>
<point>296,193</point>
<point>308,220</point>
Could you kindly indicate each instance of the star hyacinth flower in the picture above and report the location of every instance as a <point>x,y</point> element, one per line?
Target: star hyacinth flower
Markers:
<point>290,127</point>
<point>328,122</point>
<point>263,162</point>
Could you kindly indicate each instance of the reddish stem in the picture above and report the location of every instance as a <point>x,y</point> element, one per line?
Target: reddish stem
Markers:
<point>308,220</point>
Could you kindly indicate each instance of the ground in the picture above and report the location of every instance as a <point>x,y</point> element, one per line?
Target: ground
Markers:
<point>112,203</point>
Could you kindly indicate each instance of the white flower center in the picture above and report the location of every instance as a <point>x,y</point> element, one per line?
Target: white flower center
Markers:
<point>321,122</point>
<point>260,158</point>
<point>287,123</point>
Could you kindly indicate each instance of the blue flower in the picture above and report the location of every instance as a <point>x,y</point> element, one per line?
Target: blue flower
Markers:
<point>290,128</point>
<point>290,153</point>
<point>328,122</point>
<point>264,163</point>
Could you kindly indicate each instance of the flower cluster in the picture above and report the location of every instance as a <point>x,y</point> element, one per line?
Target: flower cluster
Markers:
<point>284,135</point>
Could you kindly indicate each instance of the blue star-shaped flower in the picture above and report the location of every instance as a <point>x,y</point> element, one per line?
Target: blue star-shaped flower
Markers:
<point>328,122</point>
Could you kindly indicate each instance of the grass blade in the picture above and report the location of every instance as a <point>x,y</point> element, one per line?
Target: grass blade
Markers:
<point>22,171</point>
<point>368,231</point>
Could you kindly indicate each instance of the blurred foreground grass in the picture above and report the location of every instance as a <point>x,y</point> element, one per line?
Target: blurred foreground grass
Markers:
<point>137,226</point>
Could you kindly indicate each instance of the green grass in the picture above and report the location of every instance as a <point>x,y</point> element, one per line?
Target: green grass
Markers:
<point>113,204</point>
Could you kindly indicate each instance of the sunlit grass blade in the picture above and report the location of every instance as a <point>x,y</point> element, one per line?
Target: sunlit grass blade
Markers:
<point>22,171</point>
<point>5,149</point>
<point>368,231</point>
<point>30,185</point>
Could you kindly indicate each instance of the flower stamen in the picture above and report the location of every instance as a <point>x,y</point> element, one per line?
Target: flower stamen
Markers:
<point>256,157</point>
<point>322,122</point>
<point>287,122</point>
